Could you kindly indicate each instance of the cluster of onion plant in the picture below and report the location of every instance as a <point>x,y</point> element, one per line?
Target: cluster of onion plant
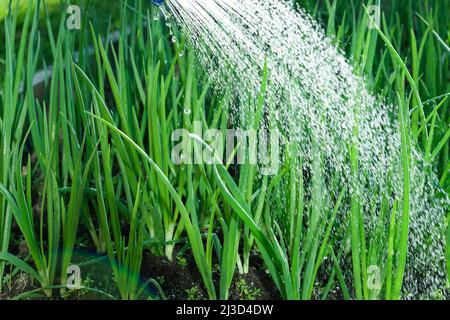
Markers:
<point>93,154</point>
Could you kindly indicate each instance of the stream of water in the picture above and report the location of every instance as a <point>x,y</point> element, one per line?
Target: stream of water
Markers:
<point>318,99</point>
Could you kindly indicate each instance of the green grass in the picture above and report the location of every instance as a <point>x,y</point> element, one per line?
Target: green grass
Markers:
<point>91,158</point>
<point>21,6</point>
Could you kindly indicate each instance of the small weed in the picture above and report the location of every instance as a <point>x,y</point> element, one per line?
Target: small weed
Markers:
<point>247,292</point>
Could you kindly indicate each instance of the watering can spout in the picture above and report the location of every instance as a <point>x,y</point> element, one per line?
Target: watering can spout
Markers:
<point>158,2</point>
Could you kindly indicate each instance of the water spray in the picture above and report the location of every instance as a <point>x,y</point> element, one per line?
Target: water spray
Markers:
<point>318,101</point>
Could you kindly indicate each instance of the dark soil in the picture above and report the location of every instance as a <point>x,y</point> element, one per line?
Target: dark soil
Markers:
<point>181,280</point>
<point>20,283</point>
